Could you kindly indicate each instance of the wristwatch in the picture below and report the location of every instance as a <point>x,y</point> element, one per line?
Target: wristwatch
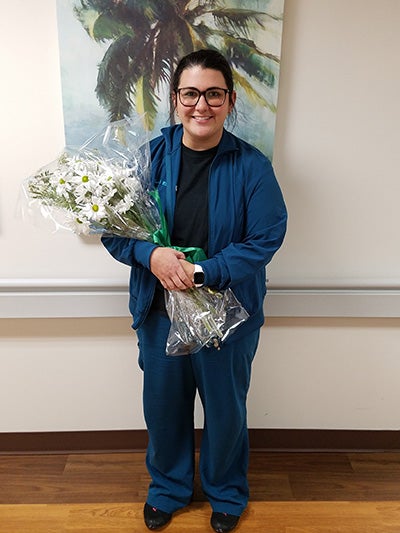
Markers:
<point>198,276</point>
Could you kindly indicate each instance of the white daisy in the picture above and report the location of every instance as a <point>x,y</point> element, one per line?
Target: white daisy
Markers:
<point>94,209</point>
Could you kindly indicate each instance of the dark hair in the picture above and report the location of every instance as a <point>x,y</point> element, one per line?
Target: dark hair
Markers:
<point>206,59</point>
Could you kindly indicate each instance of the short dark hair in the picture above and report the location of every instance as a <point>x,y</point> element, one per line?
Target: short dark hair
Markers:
<point>206,58</point>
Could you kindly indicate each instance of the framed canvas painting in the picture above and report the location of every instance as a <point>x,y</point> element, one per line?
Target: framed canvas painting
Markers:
<point>117,58</point>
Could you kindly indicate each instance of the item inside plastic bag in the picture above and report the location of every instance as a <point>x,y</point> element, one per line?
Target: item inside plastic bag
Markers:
<point>201,317</point>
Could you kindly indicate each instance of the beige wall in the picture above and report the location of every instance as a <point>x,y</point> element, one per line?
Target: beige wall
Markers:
<point>81,374</point>
<point>336,121</point>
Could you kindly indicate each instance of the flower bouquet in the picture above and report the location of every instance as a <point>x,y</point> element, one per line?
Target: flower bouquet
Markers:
<point>104,187</point>
<point>101,187</point>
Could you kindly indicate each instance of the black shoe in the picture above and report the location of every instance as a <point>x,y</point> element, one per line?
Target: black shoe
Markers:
<point>155,518</point>
<point>223,522</point>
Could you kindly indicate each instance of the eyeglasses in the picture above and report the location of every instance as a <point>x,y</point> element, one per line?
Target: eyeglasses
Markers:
<point>214,96</point>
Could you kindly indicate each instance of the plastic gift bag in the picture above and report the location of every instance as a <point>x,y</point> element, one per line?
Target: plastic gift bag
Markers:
<point>201,317</point>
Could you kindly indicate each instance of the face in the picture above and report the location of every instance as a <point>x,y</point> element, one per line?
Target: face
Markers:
<point>202,124</point>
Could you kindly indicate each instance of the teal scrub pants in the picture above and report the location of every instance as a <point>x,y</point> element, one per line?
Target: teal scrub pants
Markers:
<point>222,378</point>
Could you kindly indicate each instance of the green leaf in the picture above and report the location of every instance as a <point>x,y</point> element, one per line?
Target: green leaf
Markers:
<point>100,26</point>
<point>106,28</point>
<point>238,20</point>
<point>146,102</point>
<point>115,80</point>
<point>253,96</point>
<point>87,17</point>
<point>244,55</point>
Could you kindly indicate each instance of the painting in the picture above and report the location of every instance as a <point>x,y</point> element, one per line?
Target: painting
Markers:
<point>117,57</point>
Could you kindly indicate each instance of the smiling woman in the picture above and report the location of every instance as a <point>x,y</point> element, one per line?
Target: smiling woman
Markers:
<point>201,108</point>
<point>220,194</point>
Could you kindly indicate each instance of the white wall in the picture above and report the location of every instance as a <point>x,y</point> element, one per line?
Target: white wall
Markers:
<point>81,374</point>
<point>337,143</point>
<point>337,123</point>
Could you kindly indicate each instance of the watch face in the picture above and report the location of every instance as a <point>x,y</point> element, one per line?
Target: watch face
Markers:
<point>198,278</point>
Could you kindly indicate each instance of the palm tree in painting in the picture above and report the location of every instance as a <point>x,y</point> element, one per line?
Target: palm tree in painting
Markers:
<point>146,39</point>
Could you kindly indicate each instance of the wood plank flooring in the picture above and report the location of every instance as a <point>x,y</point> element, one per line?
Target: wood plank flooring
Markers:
<point>290,493</point>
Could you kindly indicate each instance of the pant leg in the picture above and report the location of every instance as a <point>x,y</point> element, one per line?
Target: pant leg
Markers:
<point>223,379</point>
<point>168,401</point>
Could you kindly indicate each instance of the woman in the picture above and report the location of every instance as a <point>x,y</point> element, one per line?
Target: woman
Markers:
<point>220,194</point>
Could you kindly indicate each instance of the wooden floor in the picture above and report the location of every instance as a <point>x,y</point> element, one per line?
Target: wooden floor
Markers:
<point>290,493</point>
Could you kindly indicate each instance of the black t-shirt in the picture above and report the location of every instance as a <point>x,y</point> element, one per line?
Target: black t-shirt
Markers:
<point>191,208</point>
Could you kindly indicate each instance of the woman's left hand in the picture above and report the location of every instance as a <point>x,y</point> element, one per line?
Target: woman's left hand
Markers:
<point>188,268</point>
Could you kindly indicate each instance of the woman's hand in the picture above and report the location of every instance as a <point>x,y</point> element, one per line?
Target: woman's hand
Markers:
<point>170,267</point>
<point>188,268</point>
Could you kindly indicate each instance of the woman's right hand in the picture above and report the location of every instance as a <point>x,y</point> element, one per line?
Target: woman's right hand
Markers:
<point>165,264</point>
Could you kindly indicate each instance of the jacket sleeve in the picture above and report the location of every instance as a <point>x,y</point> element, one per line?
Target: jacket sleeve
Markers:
<point>131,252</point>
<point>262,232</point>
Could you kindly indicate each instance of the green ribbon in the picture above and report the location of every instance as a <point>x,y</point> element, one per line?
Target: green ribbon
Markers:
<point>162,238</point>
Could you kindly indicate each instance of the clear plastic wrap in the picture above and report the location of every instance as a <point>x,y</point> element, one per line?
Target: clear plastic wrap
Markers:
<point>100,188</point>
<point>201,317</point>
<point>104,187</point>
